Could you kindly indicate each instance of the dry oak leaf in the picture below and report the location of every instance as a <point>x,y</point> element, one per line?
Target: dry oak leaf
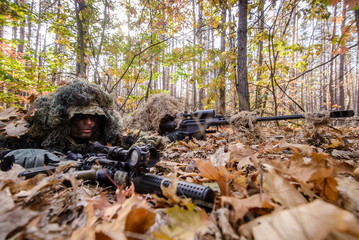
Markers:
<point>280,189</point>
<point>315,221</point>
<point>349,194</point>
<point>325,184</point>
<point>242,206</point>
<point>88,231</point>
<point>302,148</point>
<point>138,221</point>
<point>183,224</point>
<point>16,128</point>
<point>170,192</point>
<point>114,229</point>
<point>207,169</point>
<point>8,113</point>
<point>299,169</point>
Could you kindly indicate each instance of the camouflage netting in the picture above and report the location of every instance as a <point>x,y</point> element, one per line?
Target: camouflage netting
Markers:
<point>51,120</point>
<point>244,124</point>
<point>315,127</point>
<point>315,120</point>
<point>149,116</point>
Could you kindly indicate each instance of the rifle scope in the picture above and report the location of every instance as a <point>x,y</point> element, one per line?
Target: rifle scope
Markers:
<point>136,157</point>
<point>200,114</point>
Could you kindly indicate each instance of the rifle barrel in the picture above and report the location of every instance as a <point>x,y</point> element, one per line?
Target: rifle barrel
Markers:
<point>332,114</point>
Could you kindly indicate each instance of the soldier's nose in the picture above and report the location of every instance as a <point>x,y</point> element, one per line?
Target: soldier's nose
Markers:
<point>88,120</point>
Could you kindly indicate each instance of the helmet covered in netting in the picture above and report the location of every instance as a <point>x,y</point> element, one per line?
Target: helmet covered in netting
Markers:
<point>51,121</point>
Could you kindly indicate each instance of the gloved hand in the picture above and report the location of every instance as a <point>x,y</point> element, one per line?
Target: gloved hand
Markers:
<point>29,158</point>
<point>156,141</point>
<point>176,136</point>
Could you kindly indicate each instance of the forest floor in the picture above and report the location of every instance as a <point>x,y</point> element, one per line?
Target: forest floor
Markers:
<point>293,182</point>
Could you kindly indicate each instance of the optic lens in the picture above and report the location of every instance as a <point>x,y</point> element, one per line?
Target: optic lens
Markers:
<point>133,161</point>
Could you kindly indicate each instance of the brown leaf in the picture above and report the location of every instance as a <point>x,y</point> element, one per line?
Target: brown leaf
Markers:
<point>224,224</point>
<point>16,128</point>
<point>170,192</point>
<point>123,194</point>
<point>207,169</point>
<point>303,148</point>
<point>239,152</point>
<point>224,187</point>
<point>349,193</point>
<point>87,232</point>
<point>15,219</point>
<point>242,206</point>
<point>184,223</point>
<point>8,113</point>
<point>139,220</point>
<point>325,184</point>
<point>315,221</point>
<point>101,203</point>
<point>115,229</point>
<point>280,189</point>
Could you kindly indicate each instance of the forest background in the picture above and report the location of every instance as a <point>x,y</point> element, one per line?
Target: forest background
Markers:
<point>275,57</point>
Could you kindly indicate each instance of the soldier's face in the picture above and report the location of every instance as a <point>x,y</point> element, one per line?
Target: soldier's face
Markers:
<point>83,125</point>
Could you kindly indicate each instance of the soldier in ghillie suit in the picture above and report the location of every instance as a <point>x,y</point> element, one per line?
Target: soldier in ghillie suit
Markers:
<point>70,119</point>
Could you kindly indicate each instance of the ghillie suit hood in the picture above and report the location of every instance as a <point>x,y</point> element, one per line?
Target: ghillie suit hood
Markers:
<point>51,121</point>
<point>149,116</point>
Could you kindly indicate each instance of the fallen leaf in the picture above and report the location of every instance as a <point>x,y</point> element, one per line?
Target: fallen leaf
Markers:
<point>16,128</point>
<point>184,224</point>
<point>280,189</point>
<point>224,224</point>
<point>242,206</point>
<point>170,192</point>
<point>88,231</point>
<point>325,184</point>
<point>315,221</point>
<point>138,221</point>
<point>8,113</point>
<point>303,148</point>
<point>349,193</point>
<point>15,219</point>
<point>207,169</point>
<point>115,229</point>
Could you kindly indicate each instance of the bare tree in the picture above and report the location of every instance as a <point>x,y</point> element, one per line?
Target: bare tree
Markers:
<point>80,8</point>
<point>242,78</point>
<point>222,70</point>
<point>341,64</point>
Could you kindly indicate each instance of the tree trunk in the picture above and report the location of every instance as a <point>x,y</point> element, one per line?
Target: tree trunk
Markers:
<point>341,66</point>
<point>80,8</point>
<point>242,79</point>
<point>222,70</point>
<point>332,99</point>
<point>356,12</point>
<point>258,100</point>
<point>21,46</point>
<point>200,40</point>
<point>37,43</point>
<point>194,94</point>
<point>14,28</point>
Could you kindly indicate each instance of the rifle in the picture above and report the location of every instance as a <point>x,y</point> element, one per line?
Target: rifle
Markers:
<point>197,124</point>
<point>117,166</point>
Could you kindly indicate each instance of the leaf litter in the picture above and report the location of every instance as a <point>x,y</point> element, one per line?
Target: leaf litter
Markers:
<point>276,182</point>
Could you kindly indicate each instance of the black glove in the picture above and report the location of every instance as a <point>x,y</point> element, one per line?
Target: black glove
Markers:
<point>176,135</point>
<point>29,158</point>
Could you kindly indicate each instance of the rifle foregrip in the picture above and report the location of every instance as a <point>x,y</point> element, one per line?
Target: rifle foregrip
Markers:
<point>201,195</point>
